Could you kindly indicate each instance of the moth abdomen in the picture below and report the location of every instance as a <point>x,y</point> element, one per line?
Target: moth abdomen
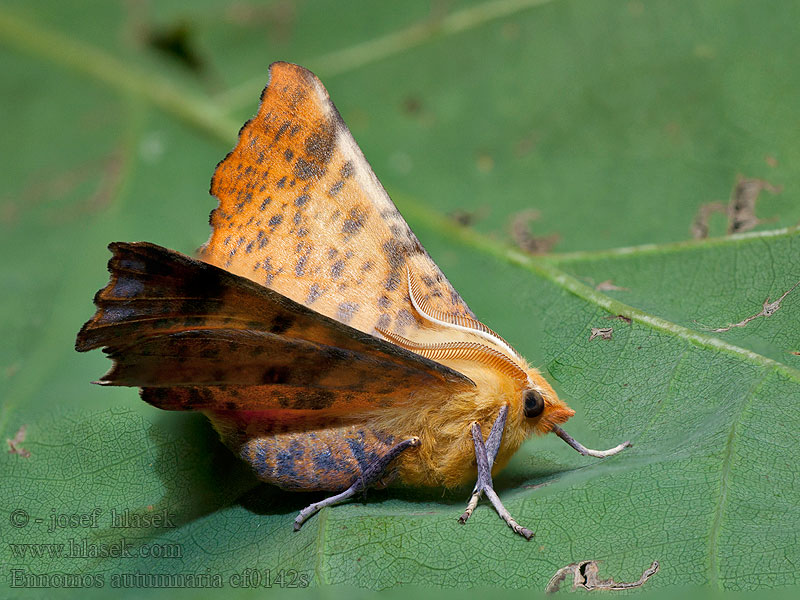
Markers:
<point>325,459</point>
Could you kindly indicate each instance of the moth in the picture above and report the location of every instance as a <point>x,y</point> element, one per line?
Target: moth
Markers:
<point>314,331</point>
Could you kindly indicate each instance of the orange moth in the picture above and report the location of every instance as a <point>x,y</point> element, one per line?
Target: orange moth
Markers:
<point>315,332</point>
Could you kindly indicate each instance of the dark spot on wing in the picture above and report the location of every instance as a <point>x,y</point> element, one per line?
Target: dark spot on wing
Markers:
<point>314,292</point>
<point>337,269</point>
<point>199,397</point>
<point>319,399</point>
<point>319,145</point>
<point>392,281</point>
<point>300,267</point>
<point>346,310</point>
<point>347,170</point>
<point>304,169</point>
<point>336,188</point>
<point>354,222</point>
<point>281,324</point>
<point>395,253</point>
<point>281,130</point>
<point>404,317</point>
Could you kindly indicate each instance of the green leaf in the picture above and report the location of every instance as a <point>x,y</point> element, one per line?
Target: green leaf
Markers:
<point>711,286</point>
<point>616,121</point>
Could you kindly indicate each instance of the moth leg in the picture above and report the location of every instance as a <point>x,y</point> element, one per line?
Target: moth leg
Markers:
<point>492,447</point>
<point>371,475</point>
<point>485,483</point>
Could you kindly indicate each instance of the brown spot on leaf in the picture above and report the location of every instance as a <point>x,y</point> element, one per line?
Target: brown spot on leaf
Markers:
<point>14,444</point>
<point>740,210</point>
<point>620,318</point>
<point>742,206</point>
<point>465,218</point>
<point>525,240</point>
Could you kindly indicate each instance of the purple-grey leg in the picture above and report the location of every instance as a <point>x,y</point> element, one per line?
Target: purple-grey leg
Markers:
<point>371,475</point>
<point>492,447</point>
<point>485,483</point>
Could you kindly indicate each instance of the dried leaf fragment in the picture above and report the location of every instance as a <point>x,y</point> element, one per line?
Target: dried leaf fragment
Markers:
<point>768,309</point>
<point>604,333</point>
<point>585,575</point>
<point>740,210</point>
<point>699,226</point>
<point>608,286</point>
<point>14,444</point>
<point>742,207</point>
<point>524,239</point>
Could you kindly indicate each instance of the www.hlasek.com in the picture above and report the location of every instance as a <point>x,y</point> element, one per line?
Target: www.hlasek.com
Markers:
<point>85,548</point>
<point>246,578</point>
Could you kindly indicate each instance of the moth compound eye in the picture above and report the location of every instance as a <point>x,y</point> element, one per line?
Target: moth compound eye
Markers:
<point>534,403</point>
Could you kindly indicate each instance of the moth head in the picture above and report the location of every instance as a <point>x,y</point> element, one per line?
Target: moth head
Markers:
<point>541,406</point>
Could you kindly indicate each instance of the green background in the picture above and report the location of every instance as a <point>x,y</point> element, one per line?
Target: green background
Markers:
<point>615,120</point>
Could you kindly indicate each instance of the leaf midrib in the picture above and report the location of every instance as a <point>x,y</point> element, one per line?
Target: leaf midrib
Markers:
<point>670,247</point>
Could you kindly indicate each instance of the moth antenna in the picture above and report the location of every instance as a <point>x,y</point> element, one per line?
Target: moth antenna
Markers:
<point>461,351</point>
<point>453,321</point>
